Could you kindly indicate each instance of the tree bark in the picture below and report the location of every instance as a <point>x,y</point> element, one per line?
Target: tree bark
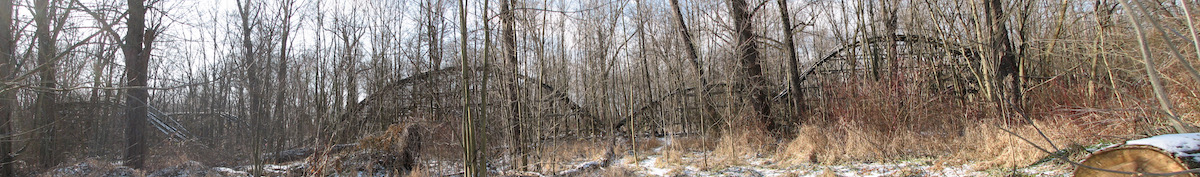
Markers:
<point>281,73</point>
<point>748,55</point>
<point>793,69</point>
<point>137,49</point>
<point>483,86</point>
<point>47,116</point>
<point>510,52</point>
<point>433,32</point>
<point>694,58</point>
<point>1002,49</point>
<point>253,81</point>
<point>470,148</point>
<point>7,92</point>
<point>350,57</point>
<point>641,31</point>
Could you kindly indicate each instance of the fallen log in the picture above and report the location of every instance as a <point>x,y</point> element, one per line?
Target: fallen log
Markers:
<point>1163,154</point>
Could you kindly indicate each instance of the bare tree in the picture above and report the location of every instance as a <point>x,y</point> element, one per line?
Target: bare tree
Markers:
<point>693,57</point>
<point>433,32</point>
<point>137,48</point>
<point>1003,51</point>
<point>1160,92</point>
<point>483,85</point>
<point>281,73</point>
<point>8,94</point>
<point>797,96</point>
<point>470,149</point>
<point>47,116</point>
<point>756,83</point>
<point>252,78</point>
<point>507,17</point>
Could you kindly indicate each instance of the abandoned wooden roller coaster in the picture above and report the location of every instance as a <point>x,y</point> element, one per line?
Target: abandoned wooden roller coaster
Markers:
<point>1163,155</point>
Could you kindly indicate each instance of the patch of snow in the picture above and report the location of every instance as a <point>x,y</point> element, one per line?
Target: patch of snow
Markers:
<point>961,170</point>
<point>761,166</point>
<point>740,171</point>
<point>276,169</point>
<point>1046,170</point>
<point>651,169</point>
<point>764,165</point>
<point>231,172</point>
<point>584,166</point>
<point>649,164</point>
<point>1181,144</point>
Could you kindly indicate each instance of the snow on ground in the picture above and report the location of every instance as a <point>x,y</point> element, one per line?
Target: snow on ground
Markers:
<point>648,164</point>
<point>650,168</point>
<point>920,167</point>
<point>272,168</point>
<point>763,166</point>
<point>231,171</point>
<point>1182,144</point>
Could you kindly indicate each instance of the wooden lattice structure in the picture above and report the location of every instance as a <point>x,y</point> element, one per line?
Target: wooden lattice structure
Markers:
<point>421,98</point>
<point>904,67</point>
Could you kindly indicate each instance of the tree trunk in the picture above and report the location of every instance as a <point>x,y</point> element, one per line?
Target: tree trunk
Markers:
<point>433,32</point>
<point>694,58</point>
<point>470,148</point>
<point>483,87</point>
<point>748,55</point>
<point>47,116</point>
<point>281,74</point>
<point>137,49</point>
<point>1002,48</point>
<point>347,91</point>
<point>433,13</point>
<point>510,52</point>
<point>796,94</point>
<point>253,81</point>
<point>8,94</point>
<point>641,31</point>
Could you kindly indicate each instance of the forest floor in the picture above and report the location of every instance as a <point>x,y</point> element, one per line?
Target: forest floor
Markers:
<point>731,154</point>
<point>693,164</point>
<point>660,160</point>
<point>663,159</point>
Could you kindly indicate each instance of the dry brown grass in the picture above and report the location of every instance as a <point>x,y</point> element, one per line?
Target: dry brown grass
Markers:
<point>563,155</point>
<point>809,142</point>
<point>874,121</point>
<point>669,157</point>
<point>869,125</point>
<point>692,143</point>
<point>647,145</point>
<point>846,141</point>
<point>615,170</point>
<point>171,153</point>
<point>386,141</point>
<point>981,142</point>
<point>674,154</point>
<point>418,172</point>
<point>737,144</point>
<point>996,148</point>
<point>827,173</point>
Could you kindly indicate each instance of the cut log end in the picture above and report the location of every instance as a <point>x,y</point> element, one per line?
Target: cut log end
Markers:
<point>1132,158</point>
